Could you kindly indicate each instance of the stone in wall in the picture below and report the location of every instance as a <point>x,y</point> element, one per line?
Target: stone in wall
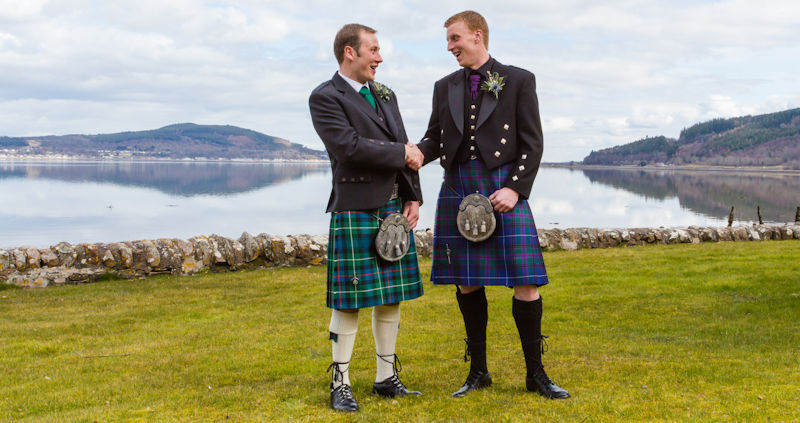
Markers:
<point>251,247</point>
<point>49,257</point>
<point>229,252</point>
<point>18,259</point>
<point>423,241</point>
<point>66,254</point>
<point>32,257</point>
<point>5,263</point>
<point>204,256</point>
<point>188,262</point>
<point>170,256</point>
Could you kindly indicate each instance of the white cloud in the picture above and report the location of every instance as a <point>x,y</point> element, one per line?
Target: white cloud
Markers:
<point>607,73</point>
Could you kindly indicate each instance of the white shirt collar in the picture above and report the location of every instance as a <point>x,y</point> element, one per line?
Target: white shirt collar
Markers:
<point>353,83</point>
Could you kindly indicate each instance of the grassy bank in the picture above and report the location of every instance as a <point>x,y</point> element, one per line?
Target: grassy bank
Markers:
<point>660,333</point>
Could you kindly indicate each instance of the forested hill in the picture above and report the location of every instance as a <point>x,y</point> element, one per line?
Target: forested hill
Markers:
<point>765,140</point>
<point>179,141</point>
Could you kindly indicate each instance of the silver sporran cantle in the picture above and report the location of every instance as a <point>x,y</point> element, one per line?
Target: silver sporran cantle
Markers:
<point>393,240</point>
<point>475,219</point>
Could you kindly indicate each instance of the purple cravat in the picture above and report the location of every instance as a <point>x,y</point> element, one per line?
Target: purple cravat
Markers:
<point>474,81</point>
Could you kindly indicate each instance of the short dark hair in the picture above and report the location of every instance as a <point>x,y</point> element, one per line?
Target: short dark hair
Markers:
<point>349,35</point>
<point>474,22</point>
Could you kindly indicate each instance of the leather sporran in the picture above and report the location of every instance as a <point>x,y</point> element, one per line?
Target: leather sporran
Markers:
<point>475,219</point>
<point>393,239</point>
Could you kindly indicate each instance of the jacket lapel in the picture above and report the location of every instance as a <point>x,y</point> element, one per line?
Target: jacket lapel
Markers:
<point>389,116</point>
<point>488,100</point>
<point>455,94</point>
<point>360,102</point>
<point>488,104</point>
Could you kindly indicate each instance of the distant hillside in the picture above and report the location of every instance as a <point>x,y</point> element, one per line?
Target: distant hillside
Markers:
<point>765,140</point>
<point>179,141</point>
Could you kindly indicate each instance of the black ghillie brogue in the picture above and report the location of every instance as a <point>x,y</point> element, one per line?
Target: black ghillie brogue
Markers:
<point>341,395</point>
<point>475,380</point>
<point>545,387</point>
<point>392,386</point>
<point>342,398</point>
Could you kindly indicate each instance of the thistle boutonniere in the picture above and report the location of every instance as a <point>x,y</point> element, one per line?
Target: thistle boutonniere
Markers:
<point>493,84</point>
<point>382,91</point>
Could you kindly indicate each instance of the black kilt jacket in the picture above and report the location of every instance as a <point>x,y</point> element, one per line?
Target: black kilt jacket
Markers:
<point>508,128</point>
<point>366,148</point>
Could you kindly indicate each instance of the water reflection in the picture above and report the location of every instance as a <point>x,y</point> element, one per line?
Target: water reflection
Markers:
<point>44,203</point>
<point>175,178</point>
<point>712,193</point>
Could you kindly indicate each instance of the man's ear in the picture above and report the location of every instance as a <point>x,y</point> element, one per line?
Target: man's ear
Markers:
<point>478,36</point>
<point>349,53</point>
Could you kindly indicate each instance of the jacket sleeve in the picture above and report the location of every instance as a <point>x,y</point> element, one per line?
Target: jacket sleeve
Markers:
<point>342,141</point>
<point>431,141</point>
<point>529,140</point>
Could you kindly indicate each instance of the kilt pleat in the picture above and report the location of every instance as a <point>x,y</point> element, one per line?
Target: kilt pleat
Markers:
<point>511,256</point>
<point>357,277</point>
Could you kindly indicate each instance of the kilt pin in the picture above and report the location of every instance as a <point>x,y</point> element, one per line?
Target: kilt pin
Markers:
<point>357,277</point>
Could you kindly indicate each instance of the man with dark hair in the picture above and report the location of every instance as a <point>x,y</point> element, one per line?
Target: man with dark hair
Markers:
<point>375,181</point>
<point>486,131</point>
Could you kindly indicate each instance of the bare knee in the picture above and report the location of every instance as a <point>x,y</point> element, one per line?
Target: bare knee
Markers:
<point>526,292</point>
<point>468,289</point>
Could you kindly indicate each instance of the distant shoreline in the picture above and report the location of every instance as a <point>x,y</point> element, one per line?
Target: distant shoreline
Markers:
<point>77,159</point>
<point>683,168</point>
<point>576,166</point>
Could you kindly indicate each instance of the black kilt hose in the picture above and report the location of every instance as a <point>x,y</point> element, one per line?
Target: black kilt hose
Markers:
<point>357,277</point>
<point>511,256</point>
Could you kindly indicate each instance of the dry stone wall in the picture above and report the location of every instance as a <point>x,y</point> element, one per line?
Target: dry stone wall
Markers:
<point>64,263</point>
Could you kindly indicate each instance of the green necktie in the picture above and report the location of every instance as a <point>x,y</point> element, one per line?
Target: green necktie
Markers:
<point>368,95</point>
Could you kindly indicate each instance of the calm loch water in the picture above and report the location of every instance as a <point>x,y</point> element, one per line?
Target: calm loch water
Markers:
<point>43,203</point>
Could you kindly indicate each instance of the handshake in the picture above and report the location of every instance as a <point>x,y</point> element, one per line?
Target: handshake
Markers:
<point>414,157</point>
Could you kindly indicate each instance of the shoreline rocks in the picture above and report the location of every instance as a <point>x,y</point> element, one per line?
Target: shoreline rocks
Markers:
<point>65,263</point>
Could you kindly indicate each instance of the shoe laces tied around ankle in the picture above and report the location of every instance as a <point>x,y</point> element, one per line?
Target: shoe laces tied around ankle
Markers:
<point>396,366</point>
<point>545,345</point>
<point>338,374</point>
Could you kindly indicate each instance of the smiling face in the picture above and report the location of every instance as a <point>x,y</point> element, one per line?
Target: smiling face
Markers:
<point>361,65</point>
<point>467,46</point>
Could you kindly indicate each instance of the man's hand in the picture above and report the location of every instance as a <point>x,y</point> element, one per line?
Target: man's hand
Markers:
<point>411,212</point>
<point>504,199</point>
<point>414,157</point>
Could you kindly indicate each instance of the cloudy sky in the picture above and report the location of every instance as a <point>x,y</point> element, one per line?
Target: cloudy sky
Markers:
<point>607,72</point>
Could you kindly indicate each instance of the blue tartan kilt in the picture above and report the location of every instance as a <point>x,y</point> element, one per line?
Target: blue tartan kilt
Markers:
<point>357,277</point>
<point>512,256</point>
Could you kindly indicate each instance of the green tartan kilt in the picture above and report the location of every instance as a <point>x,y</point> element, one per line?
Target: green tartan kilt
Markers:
<point>357,277</point>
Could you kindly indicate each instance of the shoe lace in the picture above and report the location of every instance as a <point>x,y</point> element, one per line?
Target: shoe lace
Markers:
<point>346,392</point>
<point>338,374</point>
<point>543,378</point>
<point>545,345</point>
<point>396,382</point>
<point>396,366</point>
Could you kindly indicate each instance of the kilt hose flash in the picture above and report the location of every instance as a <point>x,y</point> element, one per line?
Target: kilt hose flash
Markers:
<point>511,256</point>
<point>357,277</point>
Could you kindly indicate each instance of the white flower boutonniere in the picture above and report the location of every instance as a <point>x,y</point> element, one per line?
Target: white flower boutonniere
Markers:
<point>493,84</point>
<point>382,91</point>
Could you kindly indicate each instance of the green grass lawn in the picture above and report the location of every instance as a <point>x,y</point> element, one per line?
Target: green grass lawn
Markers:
<point>685,332</point>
